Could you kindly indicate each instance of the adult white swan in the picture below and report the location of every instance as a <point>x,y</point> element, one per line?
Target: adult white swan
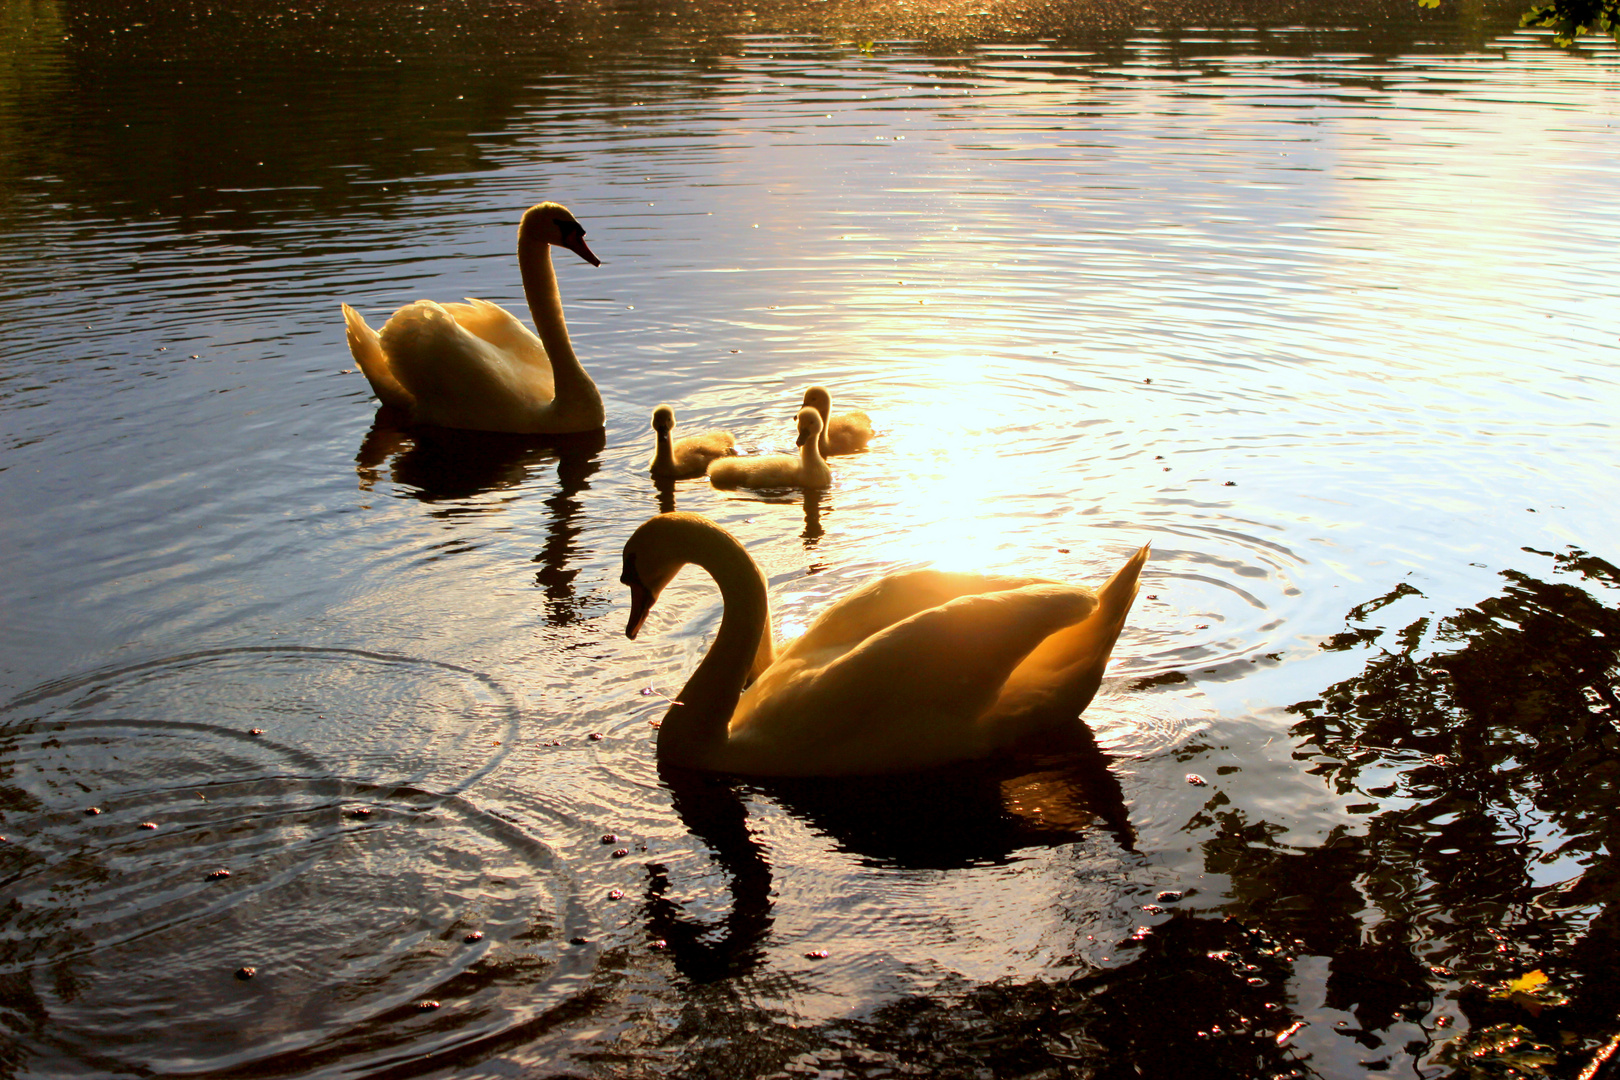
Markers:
<point>910,671</point>
<point>476,366</point>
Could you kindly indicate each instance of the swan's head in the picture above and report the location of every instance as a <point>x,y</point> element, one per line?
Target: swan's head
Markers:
<point>657,550</point>
<point>549,223</point>
<point>663,419</point>
<point>818,399</point>
<point>653,555</point>
<point>809,426</point>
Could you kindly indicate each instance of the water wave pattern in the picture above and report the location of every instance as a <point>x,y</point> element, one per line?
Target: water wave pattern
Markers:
<point>181,830</point>
<point>1314,323</point>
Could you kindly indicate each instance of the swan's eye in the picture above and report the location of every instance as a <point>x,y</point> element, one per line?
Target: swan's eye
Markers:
<point>570,230</point>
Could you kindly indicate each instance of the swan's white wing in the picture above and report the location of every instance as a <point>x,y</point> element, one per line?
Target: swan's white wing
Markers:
<point>879,604</point>
<point>457,378</point>
<point>505,331</point>
<point>909,696</point>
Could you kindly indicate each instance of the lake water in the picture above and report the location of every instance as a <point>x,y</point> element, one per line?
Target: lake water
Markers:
<point>1321,303</point>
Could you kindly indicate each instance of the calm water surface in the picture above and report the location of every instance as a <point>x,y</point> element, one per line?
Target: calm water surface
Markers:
<point>1322,307</point>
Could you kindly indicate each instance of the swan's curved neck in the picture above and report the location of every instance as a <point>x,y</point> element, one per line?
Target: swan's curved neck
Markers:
<point>697,724</point>
<point>811,453</point>
<point>664,453</point>
<point>545,307</point>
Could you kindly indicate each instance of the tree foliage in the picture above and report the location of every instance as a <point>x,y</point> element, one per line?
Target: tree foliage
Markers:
<point>1568,19</point>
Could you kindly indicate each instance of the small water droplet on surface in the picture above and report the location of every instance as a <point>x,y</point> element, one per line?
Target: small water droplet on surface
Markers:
<point>1195,780</point>
<point>579,940</point>
<point>619,853</point>
<point>256,731</point>
<point>817,954</point>
<point>91,811</point>
<point>1169,896</point>
<point>659,943</point>
<point>616,894</point>
<point>610,838</point>
<point>1153,909</point>
<point>360,811</point>
<point>596,736</point>
<point>218,874</point>
<point>426,1006</point>
<point>148,824</point>
<point>476,935</point>
<point>246,973</point>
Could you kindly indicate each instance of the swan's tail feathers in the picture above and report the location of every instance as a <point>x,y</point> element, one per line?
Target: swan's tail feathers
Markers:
<point>368,353</point>
<point>1059,678</point>
<point>1120,590</point>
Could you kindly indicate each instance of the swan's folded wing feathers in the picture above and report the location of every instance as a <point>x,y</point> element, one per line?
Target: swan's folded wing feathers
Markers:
<point>880,604</point>
<point>913,692</point>
<point>505,331</point>
<point>457,378</point>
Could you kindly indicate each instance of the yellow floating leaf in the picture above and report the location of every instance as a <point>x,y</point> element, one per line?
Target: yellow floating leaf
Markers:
<point>1527,984</point>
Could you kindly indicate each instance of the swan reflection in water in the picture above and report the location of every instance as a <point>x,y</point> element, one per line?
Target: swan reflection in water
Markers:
<point>975,814</point>
<point>449,467</point>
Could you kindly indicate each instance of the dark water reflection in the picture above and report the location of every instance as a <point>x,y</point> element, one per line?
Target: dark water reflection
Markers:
<point>457,470</point>
<point>1312,297</point>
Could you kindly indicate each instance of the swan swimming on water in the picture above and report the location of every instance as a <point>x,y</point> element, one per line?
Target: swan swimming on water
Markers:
<point>474,365</point>
<point>689,455</point>
<point>806,469</point>
<point>910,671</point>
<point>841,434</point>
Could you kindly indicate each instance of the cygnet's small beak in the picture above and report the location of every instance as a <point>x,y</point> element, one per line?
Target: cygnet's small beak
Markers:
<point>578,246</point>
<point>641,602</point>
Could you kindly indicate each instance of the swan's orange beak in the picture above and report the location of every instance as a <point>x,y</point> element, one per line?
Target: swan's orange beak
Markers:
<point>577,245</point>
<point>641,602</point>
